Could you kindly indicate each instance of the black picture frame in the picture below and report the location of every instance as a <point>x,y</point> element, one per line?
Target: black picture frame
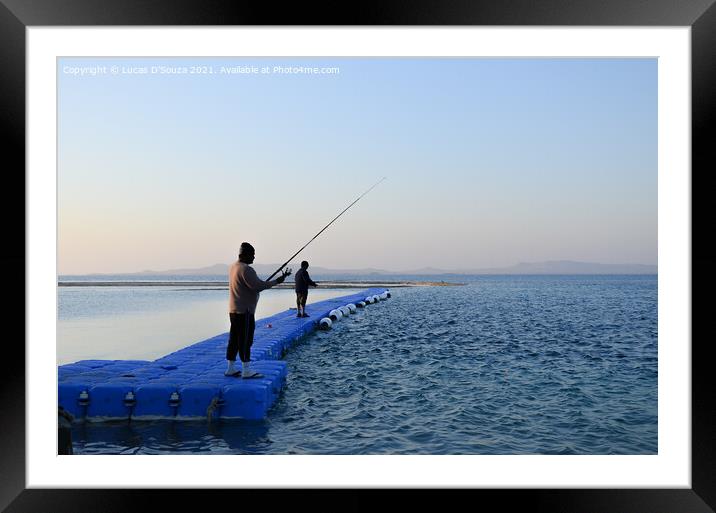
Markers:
<point>17,15</point>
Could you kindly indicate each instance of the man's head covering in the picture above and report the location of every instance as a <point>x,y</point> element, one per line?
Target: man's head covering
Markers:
<point>246,249</point>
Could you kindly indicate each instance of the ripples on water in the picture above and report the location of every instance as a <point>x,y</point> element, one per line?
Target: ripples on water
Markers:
<point>504,365</point>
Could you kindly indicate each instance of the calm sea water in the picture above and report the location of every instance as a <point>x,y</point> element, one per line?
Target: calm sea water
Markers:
<point>502,365</point>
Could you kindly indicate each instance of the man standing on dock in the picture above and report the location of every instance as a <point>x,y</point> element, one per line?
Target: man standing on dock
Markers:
<point>303,280</point>
<point>244,288</point>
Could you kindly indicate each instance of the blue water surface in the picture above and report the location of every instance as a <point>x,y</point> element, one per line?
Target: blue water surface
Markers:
<point>502,365</point>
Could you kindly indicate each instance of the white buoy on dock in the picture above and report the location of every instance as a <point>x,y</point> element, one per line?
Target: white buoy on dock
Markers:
<point>325,323</point>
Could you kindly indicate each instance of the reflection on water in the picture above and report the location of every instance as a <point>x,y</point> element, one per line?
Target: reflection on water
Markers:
<point>168,437</point>
<point>133,323</point>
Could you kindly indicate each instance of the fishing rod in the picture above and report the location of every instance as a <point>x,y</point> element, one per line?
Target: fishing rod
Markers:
<point>329,224</point>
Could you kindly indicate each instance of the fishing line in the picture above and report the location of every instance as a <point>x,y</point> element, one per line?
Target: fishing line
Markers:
<point>329,224</point>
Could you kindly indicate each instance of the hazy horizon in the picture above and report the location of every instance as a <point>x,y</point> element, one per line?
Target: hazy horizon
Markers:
<point>489,163</point>
<point>322,268</point>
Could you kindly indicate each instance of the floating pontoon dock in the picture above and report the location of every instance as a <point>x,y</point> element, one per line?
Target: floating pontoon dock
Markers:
<point>190,383</point>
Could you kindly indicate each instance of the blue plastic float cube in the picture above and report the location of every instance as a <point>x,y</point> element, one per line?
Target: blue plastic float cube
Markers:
<point>245,401</point>
<point>94,364</point>
<point>69,397</point>
<point>107,400</point>
<point>155,400</point>
<point>73,368</point>
<point>196,398</point>
<point>277,365</point>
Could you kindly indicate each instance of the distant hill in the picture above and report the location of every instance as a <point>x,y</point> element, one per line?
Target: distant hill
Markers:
<point>212,270</point>
<point>569,267</point>
<point>261,269</point>
<point>549,267</point>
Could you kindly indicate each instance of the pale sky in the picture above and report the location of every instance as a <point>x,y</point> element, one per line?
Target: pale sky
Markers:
<point>489,162</point>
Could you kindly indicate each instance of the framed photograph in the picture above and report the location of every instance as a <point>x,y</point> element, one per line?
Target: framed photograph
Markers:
<point>556,133</point>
